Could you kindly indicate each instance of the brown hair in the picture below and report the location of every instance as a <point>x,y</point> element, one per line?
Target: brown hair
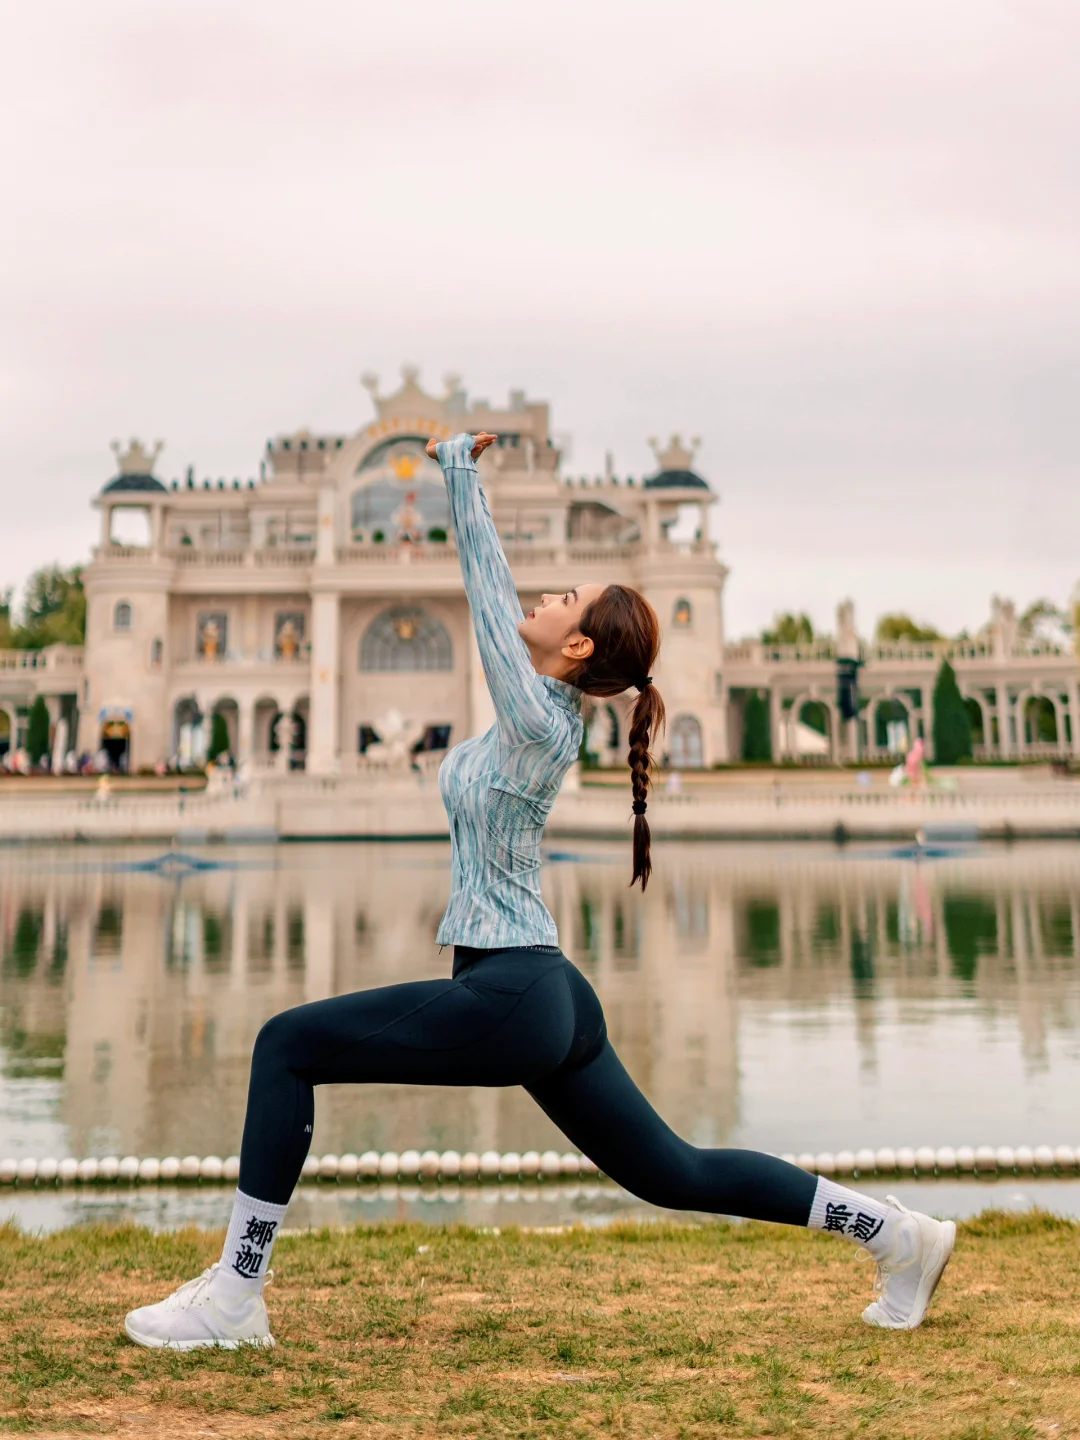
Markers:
<point>626,638</point>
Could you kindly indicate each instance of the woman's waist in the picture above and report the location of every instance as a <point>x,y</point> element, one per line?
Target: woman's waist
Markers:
<point>467,956</point>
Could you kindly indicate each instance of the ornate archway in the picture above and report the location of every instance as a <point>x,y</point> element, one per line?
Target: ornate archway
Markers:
<point>794,714</point>
<point>687,749</point>
<point>890,723</point>
<point>406,638</point>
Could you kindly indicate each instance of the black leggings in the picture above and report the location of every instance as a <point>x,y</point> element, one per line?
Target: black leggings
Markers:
<point>507,1017</point>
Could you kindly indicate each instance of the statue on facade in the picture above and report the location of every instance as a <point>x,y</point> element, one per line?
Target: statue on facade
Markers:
<point>847,637</point>
<point>211,636</point>
<point>397,738</point>
<point>408,521</point>
<point>288,638</point>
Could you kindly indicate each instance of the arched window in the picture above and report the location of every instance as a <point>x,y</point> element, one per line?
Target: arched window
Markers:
<point>683,613</point>
<point>686,747</point>
<point>405,638</point>
<point>122,616</point>
<point>157,653</point>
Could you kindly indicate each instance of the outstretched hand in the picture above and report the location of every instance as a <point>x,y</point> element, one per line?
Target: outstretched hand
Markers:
<point>483,440</point>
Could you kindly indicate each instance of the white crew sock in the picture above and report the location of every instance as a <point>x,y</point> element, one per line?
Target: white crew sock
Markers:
<point>870,1223</point>
<point>248,1243</point>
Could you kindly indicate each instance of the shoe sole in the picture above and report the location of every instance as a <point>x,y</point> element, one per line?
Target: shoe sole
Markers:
<point>151,1342</point>
<point>931,1277</point>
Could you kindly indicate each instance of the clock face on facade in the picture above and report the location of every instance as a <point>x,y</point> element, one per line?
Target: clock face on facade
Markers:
<point>400,495</point>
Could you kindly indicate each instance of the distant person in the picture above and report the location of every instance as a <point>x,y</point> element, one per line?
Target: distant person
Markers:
<point>516,1011</point>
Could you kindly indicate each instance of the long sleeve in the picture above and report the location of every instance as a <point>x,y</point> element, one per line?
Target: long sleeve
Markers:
<point>522,706</point>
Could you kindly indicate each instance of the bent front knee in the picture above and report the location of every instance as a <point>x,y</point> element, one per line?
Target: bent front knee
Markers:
<point>275,1041</point>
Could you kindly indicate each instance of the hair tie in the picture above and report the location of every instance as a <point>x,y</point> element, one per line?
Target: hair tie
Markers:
<point>639,807</point>
<point>644,684</point>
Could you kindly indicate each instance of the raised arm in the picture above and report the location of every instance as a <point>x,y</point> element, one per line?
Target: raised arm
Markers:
<point>522,707</point>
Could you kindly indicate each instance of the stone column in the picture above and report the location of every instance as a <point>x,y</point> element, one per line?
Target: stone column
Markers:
<point>245,730</point>
<point>1005,746</point>
<point>869,716</point>
<point>1074,718</point>
<point>652,527</point>
<point>325,657</point>
<point>721,709</point>
<point>775,714</point>
<point>324,540</point>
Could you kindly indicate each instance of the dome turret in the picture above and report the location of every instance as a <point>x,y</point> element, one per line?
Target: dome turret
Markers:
<point>675,472</point>
<point>136,469</point>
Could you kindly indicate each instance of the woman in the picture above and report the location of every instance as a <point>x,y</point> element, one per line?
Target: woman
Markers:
<point>515,1011</point>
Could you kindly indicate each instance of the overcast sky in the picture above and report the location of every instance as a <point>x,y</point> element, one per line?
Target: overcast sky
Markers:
<point>836,240</point>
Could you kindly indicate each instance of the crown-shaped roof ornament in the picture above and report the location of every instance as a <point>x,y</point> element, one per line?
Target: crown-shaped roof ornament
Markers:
<point>409,399</point>
<point>676,456</point>
<point>136,459</point>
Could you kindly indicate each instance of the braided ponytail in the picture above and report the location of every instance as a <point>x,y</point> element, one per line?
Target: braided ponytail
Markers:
<point>626,638</point>
<point>645,721</point>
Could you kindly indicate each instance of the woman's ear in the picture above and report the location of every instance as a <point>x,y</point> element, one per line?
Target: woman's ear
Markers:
<point>579,648</point>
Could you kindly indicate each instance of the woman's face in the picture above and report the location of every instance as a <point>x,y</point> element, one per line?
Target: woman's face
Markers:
<point>550,629</point>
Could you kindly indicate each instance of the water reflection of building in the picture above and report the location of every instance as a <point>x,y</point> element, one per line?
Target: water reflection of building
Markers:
<point>164,984</point>
<point>150,990</point>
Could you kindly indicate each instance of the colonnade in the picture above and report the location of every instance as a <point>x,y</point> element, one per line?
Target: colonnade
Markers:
<point>1008,714</point>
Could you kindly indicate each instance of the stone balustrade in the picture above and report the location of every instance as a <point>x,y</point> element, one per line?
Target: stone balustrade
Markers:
<point>63,659</point>
<point>240,662</point>
<point>427,553</point>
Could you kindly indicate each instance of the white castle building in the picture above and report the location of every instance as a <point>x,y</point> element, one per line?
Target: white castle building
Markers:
<point>320,611</point>
<point>311,607</point>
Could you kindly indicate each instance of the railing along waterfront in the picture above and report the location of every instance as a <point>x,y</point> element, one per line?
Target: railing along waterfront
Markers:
<point>368,774</point>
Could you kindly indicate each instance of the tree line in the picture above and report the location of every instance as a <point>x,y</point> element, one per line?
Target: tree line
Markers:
<point>53,611</point>
<point>790,628</point>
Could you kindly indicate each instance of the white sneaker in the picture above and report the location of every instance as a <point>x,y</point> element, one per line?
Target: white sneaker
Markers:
<point>200,1315</point>
<point>909,1275</point>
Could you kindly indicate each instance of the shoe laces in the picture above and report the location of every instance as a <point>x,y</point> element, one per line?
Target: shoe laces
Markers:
<point>883,1268</point>
<point>193,1291</point>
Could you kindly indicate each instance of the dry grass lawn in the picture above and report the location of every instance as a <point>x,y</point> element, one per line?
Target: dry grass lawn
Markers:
<point>654,1331</point>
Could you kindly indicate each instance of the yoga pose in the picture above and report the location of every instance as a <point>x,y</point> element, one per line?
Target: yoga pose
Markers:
<point>516,1011</point>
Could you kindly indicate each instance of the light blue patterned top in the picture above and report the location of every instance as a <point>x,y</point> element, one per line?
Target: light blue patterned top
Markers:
<point>498,788</point>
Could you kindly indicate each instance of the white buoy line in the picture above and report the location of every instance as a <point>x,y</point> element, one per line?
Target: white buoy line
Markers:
<point>963,1160</point>
<point>372,1165</point>
<point>452,1165</point>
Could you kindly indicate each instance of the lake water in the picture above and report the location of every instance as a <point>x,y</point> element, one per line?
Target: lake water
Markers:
<point>785,997</point>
